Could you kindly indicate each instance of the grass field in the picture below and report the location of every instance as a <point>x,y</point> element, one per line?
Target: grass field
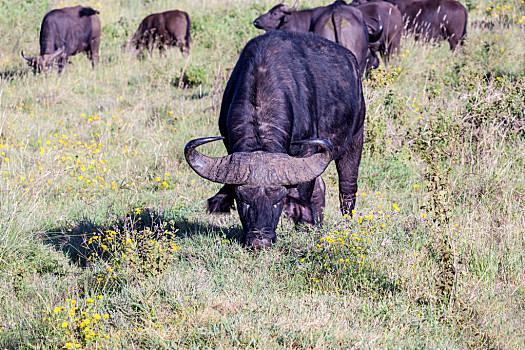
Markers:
<point>104,238</point>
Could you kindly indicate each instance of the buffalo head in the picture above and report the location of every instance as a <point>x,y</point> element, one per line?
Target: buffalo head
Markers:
<point>43,62</point>
<point>261,180</point>
<point>273,19</point>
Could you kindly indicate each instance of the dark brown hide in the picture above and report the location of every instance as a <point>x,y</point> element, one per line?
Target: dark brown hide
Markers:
<point>390,19</point>
<point>161,30</point>
<point>345,25</point>
<point>281,100</point>
<point>337,22</point>
<point>65,32</point>
<point>435,19</point>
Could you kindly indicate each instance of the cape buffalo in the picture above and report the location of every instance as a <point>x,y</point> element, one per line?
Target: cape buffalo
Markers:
<point>65,32</point>
<point>390,19</point>
<point>435,19</point>
<point>337,22</point>
<point>286,112</point>
<point>165,29</point>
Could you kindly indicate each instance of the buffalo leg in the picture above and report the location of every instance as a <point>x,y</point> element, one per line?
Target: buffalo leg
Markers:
<point>150,38</point>
<point>305,204</point>
<point>348,170</point>
<point>162,50</point>
<point>318,200</point>
<point>453,40</point>
<point>223,201</point>
<point>185,49</point>
<point>93,52</point>
<point>183,46</point>
<point>61,62</point>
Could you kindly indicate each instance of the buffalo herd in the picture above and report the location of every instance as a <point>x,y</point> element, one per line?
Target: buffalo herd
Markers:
<point>294,100</point>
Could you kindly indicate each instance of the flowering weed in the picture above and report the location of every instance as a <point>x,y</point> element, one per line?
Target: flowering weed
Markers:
<point>131,251</point>
<point>82,323</point>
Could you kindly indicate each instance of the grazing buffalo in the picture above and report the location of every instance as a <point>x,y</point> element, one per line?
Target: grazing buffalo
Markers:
<point>286,112</point>
<point>435,19</point>
<point>390,19</point>
<point>337,22</point>
<point>66,32</point>
<point>161,30</point>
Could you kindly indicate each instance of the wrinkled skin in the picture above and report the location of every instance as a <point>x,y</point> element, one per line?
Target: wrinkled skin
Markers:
<point>162,30</point>
<point>281,90</point>
<point>337,22</point>
<point>65,32</point>
<point>435,19</point>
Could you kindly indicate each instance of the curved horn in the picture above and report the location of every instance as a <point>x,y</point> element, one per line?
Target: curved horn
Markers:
<point>28,59</point>
<point>57,53</point>
<point>49,58</point>
<point>258,168</point>
<point>374,29</point>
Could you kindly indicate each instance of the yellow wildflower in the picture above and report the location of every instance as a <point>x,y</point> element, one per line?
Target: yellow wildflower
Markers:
<point>395,206</point>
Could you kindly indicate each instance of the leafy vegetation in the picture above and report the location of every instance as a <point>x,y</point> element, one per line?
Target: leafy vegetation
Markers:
<point>104,238</point>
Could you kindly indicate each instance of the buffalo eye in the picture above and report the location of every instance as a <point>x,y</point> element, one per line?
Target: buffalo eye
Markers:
<point>275,205</point>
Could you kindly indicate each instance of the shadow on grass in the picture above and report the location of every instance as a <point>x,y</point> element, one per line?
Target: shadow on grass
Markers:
<point>73,241</point>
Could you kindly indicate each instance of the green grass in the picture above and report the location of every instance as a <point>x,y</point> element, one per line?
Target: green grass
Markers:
<point>97,154</point>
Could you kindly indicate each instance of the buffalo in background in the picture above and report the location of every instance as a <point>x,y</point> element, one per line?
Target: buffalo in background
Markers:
<point>162,30</point>
<point>435,19</point>
<point>286,113</point>
<point>337,22</point>
<point>391,21</point>
<point>65,32</point>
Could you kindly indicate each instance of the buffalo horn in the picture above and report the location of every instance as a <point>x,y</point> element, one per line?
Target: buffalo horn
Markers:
<point>57,53</point>
<point>288,10</point>
<point>258,168</point>
<point>25,57</point>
